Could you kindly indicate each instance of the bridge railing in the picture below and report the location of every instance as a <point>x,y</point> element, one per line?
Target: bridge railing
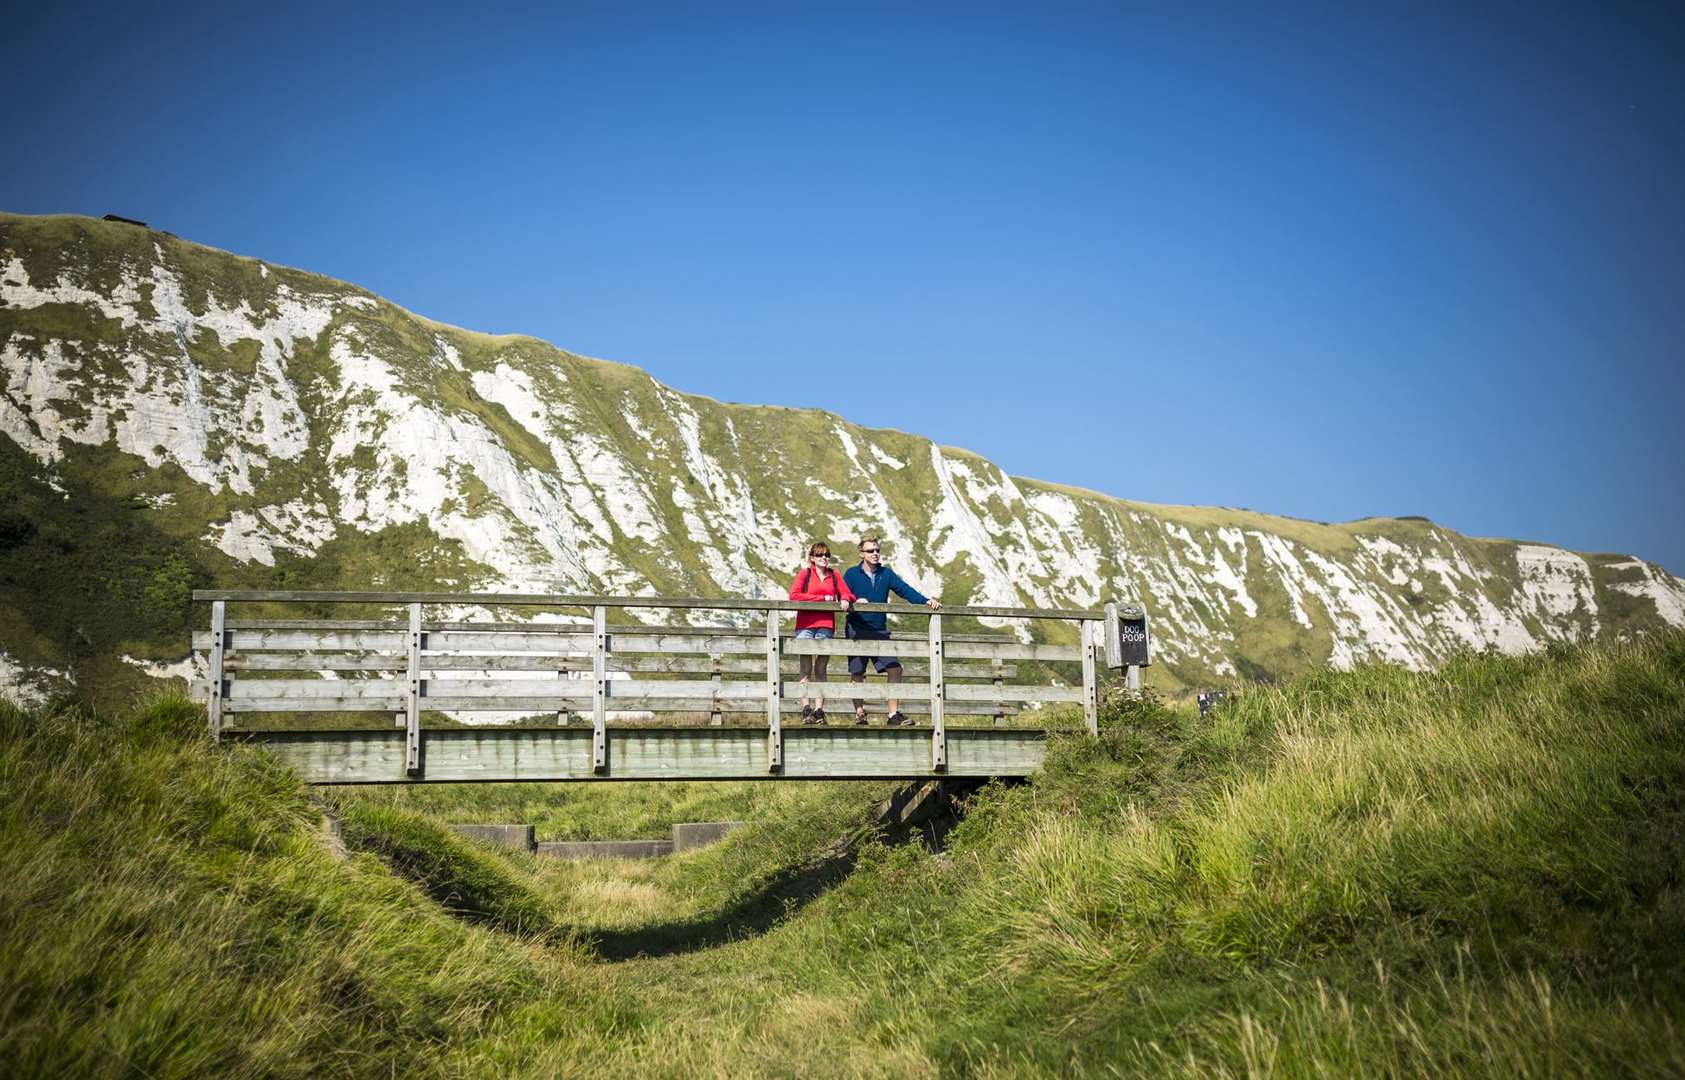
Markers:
<point>579,672</point>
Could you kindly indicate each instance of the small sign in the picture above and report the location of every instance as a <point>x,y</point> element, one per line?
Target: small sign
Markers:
<point>1127,638</point>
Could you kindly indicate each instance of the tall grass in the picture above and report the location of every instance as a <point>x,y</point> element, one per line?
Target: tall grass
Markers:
<point>1478,870</point>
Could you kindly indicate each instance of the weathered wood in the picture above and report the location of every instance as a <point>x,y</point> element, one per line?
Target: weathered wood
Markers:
<point>213,700</point>
<point>412,695</point>
<point>542,704</point>
<point>1091,688</point>
<point>973,650</point>
<point>444,694</point>
<point>985,692</point>
<point>565,663</point>
<point>843,647</point>
<point>938,734</point>
<point>301,661</point>
<point>694,753</point>
<point>716,664</point>
<point>319,640</point>
<point>251,642</point>
<point>774,729</point>
<point>568,600</point>
<point>599,688</point>
<point>751,643</point>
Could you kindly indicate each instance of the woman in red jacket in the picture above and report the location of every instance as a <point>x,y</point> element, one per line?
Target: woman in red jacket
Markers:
<point>819,583</point>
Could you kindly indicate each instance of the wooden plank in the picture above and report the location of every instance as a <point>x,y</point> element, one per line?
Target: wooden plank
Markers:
<point>774,732</point>
<point>691,753</point>
<point>599,688</point>
<point>443,694</point>
<point>396,703</point>
<point>301,661</point>
<point>998,680</point>
<point>579,640</point>
<point>541,704</point>
<point>984,692</point>
<point>843,647</point>
<point>317,640</point>
<point>372,641</point>
<point>938,735</point>
<point>716,670</point>
<point>750,643</point>
<point>214,697</point>
<point>397,626</point>
<point>570,600</point>
<point>1090,684</point>
<point>973,650</point>
<point>565,663</point>
<point>412,695</point>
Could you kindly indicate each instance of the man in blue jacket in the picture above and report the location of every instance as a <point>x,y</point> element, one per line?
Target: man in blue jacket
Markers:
<point>872,582</point>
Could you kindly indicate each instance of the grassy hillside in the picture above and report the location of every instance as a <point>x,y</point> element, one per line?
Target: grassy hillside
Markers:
<point>1479,870</point>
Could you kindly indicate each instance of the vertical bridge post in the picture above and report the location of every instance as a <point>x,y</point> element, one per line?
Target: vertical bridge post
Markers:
<point>938,729</point>
<point>599,688</point>
<point>774,688</point>
<point>1090,675</point>
<point>412,697</point>
<point>219,637</point>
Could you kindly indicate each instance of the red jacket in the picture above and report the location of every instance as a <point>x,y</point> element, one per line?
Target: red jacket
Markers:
<point>823,588</point>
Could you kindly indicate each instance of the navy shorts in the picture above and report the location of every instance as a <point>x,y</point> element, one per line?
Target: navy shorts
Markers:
<point>857,664</point>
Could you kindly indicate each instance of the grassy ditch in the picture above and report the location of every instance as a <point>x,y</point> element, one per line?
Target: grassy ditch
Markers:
<point>1479,870</point>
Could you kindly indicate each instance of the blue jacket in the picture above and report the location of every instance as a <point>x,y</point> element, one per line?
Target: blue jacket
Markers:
<point>860,583</point>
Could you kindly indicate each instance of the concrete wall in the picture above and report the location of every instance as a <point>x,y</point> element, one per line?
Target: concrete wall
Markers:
<point>605,849</point>
<point>687,836</point>
<point>690,835</point>
<point>519,837</point>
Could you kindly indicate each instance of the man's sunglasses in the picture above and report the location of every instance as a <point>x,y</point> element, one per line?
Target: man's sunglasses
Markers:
<point>868,551</point>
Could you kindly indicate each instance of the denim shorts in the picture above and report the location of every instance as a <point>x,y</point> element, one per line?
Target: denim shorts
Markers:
<point>857,664</point>
<point>819,632</point>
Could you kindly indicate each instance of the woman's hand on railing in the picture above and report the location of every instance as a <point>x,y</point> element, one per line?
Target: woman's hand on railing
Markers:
<point>933,604</point>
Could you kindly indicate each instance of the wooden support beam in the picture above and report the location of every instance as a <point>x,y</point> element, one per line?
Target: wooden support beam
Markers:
<point>599,688</point>
<point>1091,631</point>
<point>412,697</point>
<point>648,753</point>
<point>716,669</point>
<point>998,680</point>
<point>938,733</point>
<point>219,636</point>
<point>568,600</point>
<point>774,682</point>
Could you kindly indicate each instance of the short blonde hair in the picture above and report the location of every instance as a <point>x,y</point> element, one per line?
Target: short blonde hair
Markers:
<point>870,538</point>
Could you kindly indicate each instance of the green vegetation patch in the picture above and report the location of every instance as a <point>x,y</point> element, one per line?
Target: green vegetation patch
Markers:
<point>1479,870</point>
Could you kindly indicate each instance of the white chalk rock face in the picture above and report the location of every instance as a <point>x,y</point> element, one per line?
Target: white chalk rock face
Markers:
<point>314,419</point>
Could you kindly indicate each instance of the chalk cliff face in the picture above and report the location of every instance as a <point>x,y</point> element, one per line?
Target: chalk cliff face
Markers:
<point>258,426</point>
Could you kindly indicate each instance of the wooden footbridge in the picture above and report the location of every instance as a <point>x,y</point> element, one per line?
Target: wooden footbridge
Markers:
<point>586,692</point>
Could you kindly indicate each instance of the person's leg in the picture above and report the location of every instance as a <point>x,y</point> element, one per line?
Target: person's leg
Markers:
<point>806,663</point>
<point>894,674</point>
<point>857,673</point>
<point>820,663</point>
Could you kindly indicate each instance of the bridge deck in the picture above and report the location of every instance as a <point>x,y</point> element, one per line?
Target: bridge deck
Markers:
<point>650,753</point>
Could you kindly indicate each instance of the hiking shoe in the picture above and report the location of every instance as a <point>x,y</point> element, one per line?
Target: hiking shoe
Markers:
<point>819,716</point>
<point>860,718</point>
<point>807,714</point>
<point>898,719</point>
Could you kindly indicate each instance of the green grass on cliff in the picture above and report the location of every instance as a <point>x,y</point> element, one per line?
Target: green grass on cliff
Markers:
<point>1476,871</point>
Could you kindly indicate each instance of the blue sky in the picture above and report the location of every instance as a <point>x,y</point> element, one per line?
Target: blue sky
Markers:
<point>1328,261</point>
